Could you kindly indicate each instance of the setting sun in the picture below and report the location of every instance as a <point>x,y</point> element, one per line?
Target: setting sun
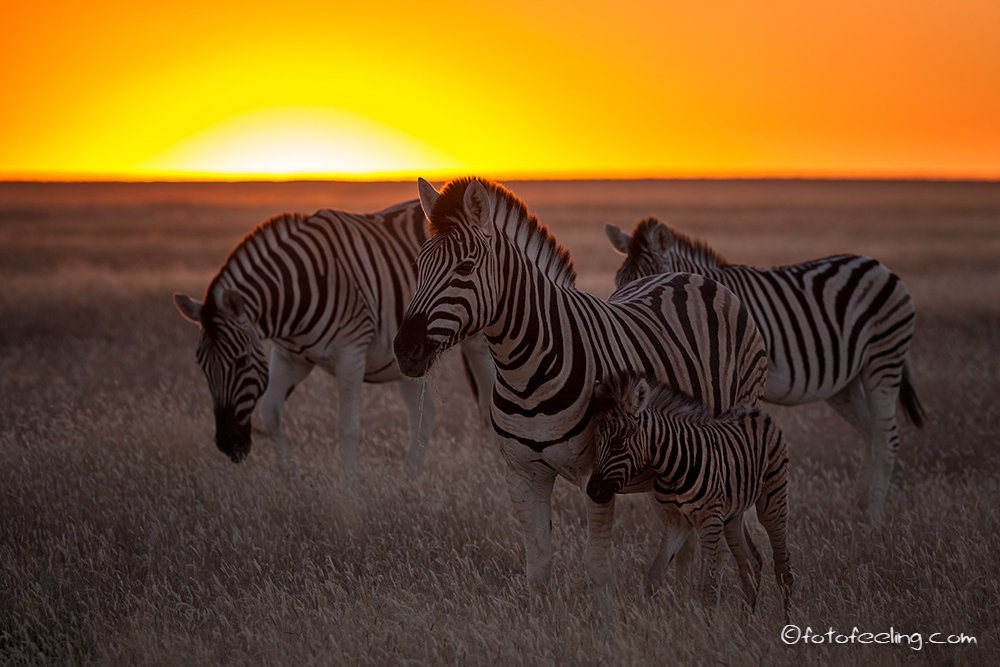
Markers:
<point>296,141</point>
<point>559,89</point>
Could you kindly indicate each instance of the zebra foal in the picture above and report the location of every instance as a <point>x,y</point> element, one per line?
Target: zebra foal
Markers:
<point>837,329</point>
<point>707,473</point>
<point>327,290</point>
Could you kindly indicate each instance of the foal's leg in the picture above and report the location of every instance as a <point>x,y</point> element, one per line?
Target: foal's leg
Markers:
<point>772,511</point>
<point>710,532</point>
<point>677,533</point>
<point>747,559</point>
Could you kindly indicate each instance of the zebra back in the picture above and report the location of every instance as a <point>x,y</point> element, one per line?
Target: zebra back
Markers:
<point>297,272</point>
<point>821,320</point>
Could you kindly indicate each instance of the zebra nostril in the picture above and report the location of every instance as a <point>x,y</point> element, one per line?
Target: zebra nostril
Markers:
<point>599,490</point>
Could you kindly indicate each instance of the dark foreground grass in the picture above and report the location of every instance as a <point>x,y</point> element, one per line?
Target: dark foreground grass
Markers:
<point>127,538</point>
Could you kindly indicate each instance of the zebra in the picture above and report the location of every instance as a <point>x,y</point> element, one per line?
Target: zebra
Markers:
<point>327,290</point>
<point>837,329</point>
<point>708,472</point>
<point>490,266</point>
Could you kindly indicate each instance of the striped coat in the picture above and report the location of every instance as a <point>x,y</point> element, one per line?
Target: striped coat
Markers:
<point>327,290</point>
<point>837,329</point>
<point>707,472</point>
<point>490,267</point>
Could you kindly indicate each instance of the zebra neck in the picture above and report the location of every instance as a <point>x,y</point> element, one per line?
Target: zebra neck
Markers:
<point>534,344</point>
<point>253,307</point>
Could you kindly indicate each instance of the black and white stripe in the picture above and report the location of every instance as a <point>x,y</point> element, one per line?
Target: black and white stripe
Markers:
<point>708,472</point>
<point>490,267</point>
<point>328,290</point>
<point>837,329</point>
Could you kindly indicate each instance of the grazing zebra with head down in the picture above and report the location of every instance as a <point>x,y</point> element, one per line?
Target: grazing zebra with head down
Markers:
<point>837,329</point>
<point>329,290</point>
<point>490,267</point>
<point>708,472</point>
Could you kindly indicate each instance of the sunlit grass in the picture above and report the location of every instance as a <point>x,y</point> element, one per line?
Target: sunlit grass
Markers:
<point>127,538</point>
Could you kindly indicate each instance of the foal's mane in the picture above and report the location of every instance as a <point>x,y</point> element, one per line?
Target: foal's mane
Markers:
<point>611,395</point>
<point>685,246</point>
<point>511,215</point>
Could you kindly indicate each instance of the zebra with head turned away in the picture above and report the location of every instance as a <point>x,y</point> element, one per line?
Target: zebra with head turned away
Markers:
<point>837,329</point>
<point>707,471</point>
<point>490,266</point>
<point>326,289</point>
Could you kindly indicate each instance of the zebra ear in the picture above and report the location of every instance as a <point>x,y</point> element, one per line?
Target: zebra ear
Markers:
<point>477,206</point>
<point>428,196</point>
<point>639,398</point>
<point>619,239</point>
<point>188,307</point>
<point>232,304</point>
<point>662,238</point>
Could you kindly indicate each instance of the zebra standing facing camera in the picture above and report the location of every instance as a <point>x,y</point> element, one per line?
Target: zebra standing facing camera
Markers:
<point>490,266</point>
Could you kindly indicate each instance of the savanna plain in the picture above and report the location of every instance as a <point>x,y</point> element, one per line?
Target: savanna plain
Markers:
<point>126,537</point>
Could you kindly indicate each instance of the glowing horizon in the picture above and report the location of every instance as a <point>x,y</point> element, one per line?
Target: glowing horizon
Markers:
<point>293,141</point>
<point>234,91</point>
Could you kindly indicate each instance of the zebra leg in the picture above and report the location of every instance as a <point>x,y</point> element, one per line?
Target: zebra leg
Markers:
<point>284,374</point>
<point>421,412</point>
<point>600,565</point>
<point>686,558</point>
<point>710,532</point>
<point>600,526</point>
<point>757,562</point>
<point>883,394</point>
<point>482,373</point>
<point>851,403</point>
<point>530,484</point>
<point>676,534</point>
<point>350,370</point>
<point>772,512</point>
<point>743,550</point>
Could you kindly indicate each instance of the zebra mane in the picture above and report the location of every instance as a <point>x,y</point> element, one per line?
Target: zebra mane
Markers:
<point>685,246</point>
<point>225,278</point>
<point>613,393</point>
<point>511,215</point>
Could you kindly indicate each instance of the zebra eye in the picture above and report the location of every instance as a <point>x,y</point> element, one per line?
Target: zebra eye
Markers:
<point>241,362</point>
<point>465,267</point>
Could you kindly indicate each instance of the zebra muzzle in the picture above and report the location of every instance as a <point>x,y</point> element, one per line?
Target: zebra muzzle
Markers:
<point>414,351</point>
<point>601,490</point>
<point>232,437</point>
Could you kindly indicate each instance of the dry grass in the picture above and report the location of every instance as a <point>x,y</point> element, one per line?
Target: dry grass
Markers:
<point>127,538</point>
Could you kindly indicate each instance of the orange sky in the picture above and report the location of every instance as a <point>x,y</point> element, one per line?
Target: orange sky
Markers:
<point>519,88</point>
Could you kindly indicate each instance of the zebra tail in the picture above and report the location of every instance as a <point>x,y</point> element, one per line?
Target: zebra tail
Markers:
<point>908,398</point>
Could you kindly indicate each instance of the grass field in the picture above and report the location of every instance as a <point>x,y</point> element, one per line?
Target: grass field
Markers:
<point>126,537</point>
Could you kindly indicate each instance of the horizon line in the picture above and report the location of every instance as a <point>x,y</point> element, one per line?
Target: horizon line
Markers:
<point>431,175</point>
